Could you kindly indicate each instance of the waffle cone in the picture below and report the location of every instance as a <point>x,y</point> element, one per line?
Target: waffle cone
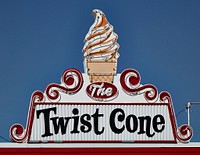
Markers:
<point>101,78</point>
<point>101,71</point>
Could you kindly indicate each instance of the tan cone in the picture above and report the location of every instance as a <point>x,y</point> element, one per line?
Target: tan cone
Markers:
<point>99,71</point>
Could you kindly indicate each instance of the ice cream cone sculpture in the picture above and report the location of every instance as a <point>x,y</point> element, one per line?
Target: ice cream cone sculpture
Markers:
<point>100,50</point>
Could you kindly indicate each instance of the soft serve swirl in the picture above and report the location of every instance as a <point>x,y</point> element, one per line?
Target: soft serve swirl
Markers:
<point>101,42</point>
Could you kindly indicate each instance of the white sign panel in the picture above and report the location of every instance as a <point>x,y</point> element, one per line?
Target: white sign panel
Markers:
<point>110,122</point>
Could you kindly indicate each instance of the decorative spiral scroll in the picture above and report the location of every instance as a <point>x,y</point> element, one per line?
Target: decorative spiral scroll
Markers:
<point>130,82</point>
<point>17,131</point>
<point>184,133</point>
<point>72,82</point>
<point>165,97</point>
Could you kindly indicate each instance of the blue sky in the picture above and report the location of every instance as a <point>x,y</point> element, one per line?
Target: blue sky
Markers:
<point>40,39</point>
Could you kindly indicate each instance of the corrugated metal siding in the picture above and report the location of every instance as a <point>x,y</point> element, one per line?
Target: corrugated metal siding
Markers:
<point>38,128</point>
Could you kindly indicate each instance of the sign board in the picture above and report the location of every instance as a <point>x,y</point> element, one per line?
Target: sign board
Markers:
<point>125,122</point>
<point>101,105</point>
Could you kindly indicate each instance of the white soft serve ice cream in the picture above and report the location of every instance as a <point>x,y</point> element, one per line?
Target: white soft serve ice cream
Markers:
<point>101,42</point>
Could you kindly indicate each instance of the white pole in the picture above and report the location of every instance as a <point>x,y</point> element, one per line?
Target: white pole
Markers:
<point>188,106</point>
<point>188,110</point>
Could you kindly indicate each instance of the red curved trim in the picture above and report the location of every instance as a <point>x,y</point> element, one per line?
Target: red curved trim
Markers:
<point>17,131</point>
